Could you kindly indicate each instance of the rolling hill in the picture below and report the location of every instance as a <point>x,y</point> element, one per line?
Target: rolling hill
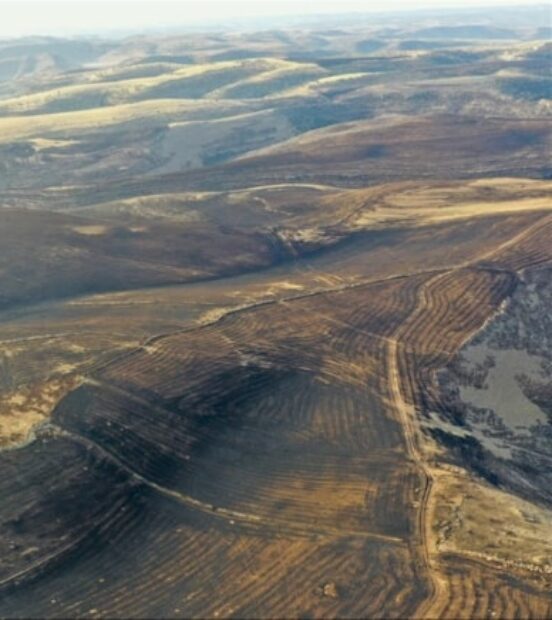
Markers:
<point>274,321</point>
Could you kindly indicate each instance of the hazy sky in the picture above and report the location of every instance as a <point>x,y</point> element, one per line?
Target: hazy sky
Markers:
<point>22,17</point>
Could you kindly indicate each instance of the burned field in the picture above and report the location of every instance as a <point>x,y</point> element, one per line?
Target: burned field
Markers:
<point>274,329</point>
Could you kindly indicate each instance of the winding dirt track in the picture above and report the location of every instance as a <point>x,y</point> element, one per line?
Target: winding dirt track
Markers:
<point>407,416</point>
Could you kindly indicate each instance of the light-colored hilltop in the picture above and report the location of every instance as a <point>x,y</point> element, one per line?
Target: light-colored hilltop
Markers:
<point>192,81</point>
<point>167,110</point>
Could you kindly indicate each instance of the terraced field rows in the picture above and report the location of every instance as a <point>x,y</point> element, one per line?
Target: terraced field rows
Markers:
<point>272,441</point>
<point>272,454</point>
<point>475,590</point>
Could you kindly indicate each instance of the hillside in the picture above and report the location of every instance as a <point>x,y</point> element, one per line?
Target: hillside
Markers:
<point>274,321</point>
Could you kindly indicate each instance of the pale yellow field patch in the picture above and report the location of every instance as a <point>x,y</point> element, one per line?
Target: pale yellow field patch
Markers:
<point>91,231</point>
<point>29,405</point>
<point>423,216</point>
<point>483,522</point>
<point>41,144</point>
